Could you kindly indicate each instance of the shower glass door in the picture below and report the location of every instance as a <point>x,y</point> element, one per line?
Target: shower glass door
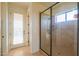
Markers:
<point>45,31</point>
<point>64,29</point>
<point>59,29</point>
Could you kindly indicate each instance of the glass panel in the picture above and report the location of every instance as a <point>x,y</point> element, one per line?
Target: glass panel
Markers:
<point>72,15</point>
<point>64,34</point>
<point>60,18</point>
<point>18,29</point>
<point>45,31</point>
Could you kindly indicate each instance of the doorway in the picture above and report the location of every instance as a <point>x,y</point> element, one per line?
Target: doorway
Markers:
<point>18,30</point>
<point>19,42</point>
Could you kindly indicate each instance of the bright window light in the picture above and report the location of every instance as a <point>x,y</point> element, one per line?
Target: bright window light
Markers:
<point>60,18</point>
<point>18,28</point>
<point>71,15</point>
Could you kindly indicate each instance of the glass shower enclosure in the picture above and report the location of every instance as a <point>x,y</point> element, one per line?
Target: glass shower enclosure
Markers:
<point>58,29</point>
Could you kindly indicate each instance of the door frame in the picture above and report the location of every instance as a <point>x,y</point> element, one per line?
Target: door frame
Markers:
<point>50,8</point>
<point>12,33</point>
<point>0,29</point>
<point>78,30</point>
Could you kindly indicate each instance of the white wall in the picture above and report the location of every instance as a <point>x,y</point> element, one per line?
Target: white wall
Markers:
<point>29,12</point>
<point>4,28</point>
<point>33,28</point>
<point>34,10</point>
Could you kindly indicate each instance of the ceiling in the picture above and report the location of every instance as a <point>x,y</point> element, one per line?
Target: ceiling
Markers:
<point>45,3</point>
<point>23,4</point>
<point>26,4</point>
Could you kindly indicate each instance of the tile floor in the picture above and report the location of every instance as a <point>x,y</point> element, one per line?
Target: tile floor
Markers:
<point>25,51</point>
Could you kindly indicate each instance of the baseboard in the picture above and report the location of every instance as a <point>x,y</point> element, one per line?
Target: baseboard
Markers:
<point>5,53</point>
